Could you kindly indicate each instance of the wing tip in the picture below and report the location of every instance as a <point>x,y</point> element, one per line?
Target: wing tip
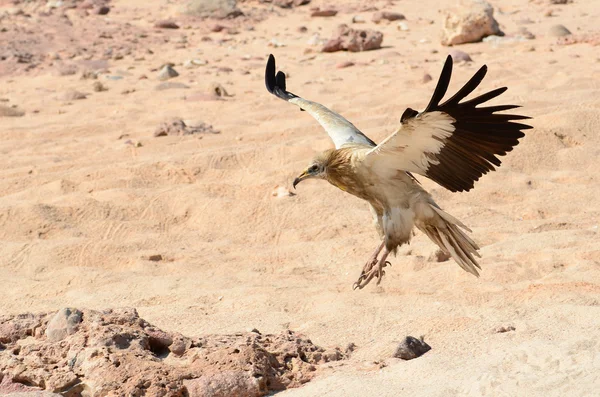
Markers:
<point>275,82</point>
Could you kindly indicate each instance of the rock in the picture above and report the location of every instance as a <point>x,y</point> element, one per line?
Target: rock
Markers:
<point>99,87</point>
<point>179,127</point>
<point>426,78</point>
<point>103,10</point>
<point>558,31</point>
<point>469,22</point>
<point>170,85</point>
<point>524,33</point>
<point>411,347</point>
<point>217,28</point>
<point>116,353</point>
<point>503,329</point>
<point>358,19</point>
<point>167,72</point>
<point>348,39</point>
<point>7,111</point>
<point>64,323</point>
<point>460,56</point>
<point>219,9</point>
<point>290,3</point>
<point>155,258</point>
<point>438,255</point>
<point>323,13</point>
<point>345,64</point>
<point>73,95</point>
<point>403,26</point>
<point>218,90</point>
<point>194,63</point>
<point>166,24</point>
<point>559,2</point>
<point>388,16</point>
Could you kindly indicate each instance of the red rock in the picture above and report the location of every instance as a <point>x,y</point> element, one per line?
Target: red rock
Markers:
<point>216,28</point>
<point>323,13</point>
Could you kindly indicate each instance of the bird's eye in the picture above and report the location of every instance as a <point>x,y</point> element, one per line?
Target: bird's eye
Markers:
<point>313,168</point>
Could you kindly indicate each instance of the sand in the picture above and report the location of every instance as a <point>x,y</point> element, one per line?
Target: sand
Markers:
<point>87,195</point>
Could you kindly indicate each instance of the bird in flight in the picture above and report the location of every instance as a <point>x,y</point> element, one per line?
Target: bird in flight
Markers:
<point>453,143</point>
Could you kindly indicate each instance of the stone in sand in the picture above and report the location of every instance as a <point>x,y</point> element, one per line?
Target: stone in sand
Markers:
<point>411,347</point>
<point>559,31</point>
<point>469,22</point>
<point>354,40</point>
<point>64,323</point>
<point>167,72</point>
<point>219,9</point>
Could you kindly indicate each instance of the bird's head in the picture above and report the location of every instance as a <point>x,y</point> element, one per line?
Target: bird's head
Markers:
<point>316,169</point>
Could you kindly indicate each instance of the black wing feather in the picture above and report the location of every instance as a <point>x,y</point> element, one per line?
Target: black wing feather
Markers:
<point>479,137</point>
<point>276,82</point>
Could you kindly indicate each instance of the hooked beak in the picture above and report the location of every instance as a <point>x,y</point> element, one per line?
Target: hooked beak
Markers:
<point>300,178</point>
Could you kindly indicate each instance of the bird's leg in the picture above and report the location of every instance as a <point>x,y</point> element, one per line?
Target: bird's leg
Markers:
<point>373,268</point>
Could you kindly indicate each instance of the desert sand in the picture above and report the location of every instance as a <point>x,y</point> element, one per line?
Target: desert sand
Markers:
<point>89,195</point>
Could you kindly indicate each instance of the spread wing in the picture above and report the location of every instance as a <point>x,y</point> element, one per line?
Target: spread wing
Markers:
<point>453,143</point>
<point>340,130</point>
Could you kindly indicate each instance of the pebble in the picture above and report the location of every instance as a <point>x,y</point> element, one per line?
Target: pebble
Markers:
<point>503,329</point>
<point>217,28</point>
<point>403,26</point>
<point>99,87</point>
<point>460,56</point>
<point>170,85</point>
<point>559,31</point>
<point>426,78</point>
<point>388,16</point>
<point>411,347</point>
<point>73,95</point>
<point>344,64</point>
<point>218,90</point>
<point>103,10</point>
<point>523,32</point>
<point>7,111</point>
<point>167,72</point>
<point>166,24</point>
<point>323,13</point>
<point>358,19</point>
<point>194,63</point>
<point>438,255</point>
<point>155,258</point>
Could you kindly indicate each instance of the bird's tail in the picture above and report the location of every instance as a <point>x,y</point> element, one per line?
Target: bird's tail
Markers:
<point>445,231</point>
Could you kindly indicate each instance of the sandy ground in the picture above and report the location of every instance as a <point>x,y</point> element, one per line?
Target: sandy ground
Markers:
<point>81,210</point>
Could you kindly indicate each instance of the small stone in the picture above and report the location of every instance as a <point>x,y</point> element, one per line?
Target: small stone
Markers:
<point>99,87</point>
<point>194,63</point>
<point>73,95</point>
<point>403,26</point>
<point>358,19</point>
<point>7,111</point>
<point>170,85</point>
<point>503,329</point>
<point>426,78</point>
<point>64,323</point>
<point>411,347</point>
<point>526,34</point>
<point>179,127</point>
<point>103,10</point>
<point>323,13</point>
<point>167,72</point>
<point>344,64</point>
<point>217,28</point>
<point>438,255</point>
<point>388,16</point>
<point>302,29</point>
<point>460,56</point>
<point>218,90</point>
<point>559,31</point>
<point>166,24</point>
<point>155,258</point>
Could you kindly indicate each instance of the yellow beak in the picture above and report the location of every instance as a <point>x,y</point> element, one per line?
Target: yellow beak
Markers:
<point>300,178</point>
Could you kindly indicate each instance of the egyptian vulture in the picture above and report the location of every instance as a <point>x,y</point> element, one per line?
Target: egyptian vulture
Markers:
<point>453,143</point>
